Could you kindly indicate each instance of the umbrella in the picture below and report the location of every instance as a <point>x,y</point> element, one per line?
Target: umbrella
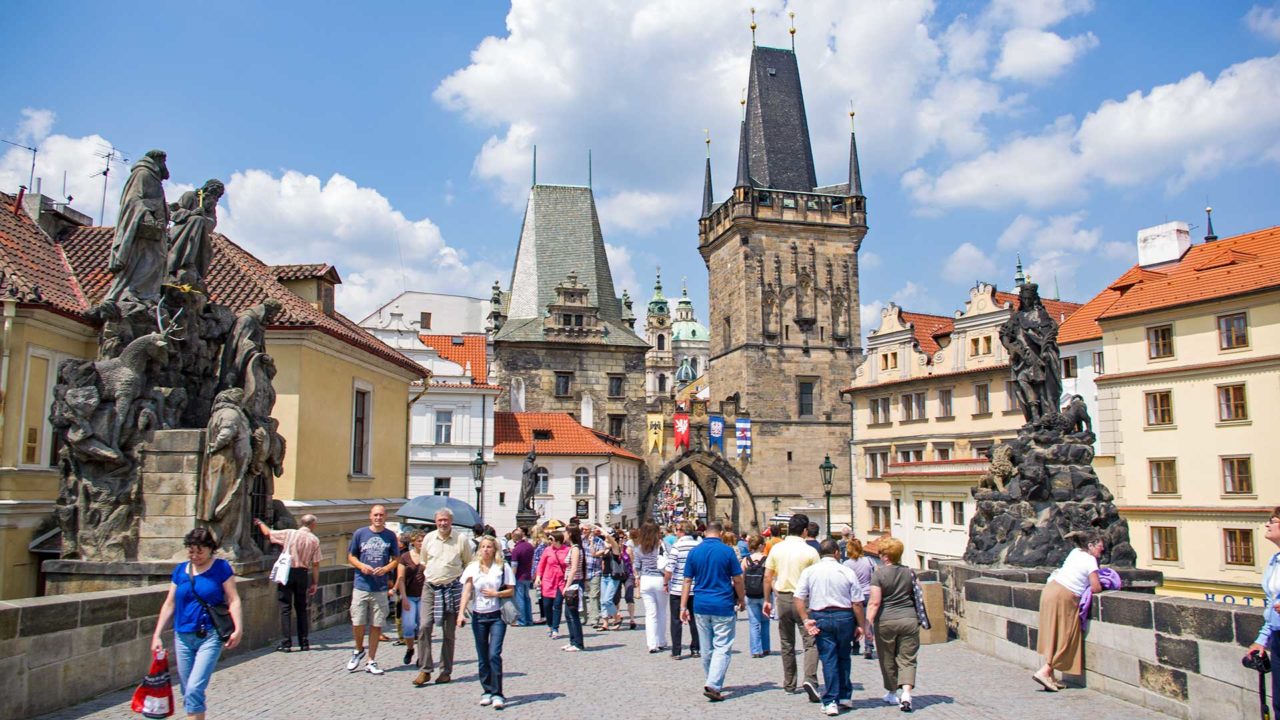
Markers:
<point>425,507</point>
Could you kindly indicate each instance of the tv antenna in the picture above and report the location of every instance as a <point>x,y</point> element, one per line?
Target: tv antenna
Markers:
<point>31,179</point>
<point>109,156</point>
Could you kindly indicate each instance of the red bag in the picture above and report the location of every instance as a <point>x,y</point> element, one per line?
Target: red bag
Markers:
<point>154,697</point>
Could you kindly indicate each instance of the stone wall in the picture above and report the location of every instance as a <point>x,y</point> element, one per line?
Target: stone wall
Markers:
<point>1174,655</point>
<point>171,469</point>
<point>60,650</point>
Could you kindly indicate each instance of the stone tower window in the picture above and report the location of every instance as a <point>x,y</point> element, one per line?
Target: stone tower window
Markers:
<point>662,342</point>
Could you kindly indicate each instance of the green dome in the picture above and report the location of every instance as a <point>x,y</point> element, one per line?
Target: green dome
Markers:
<point>689,330</point>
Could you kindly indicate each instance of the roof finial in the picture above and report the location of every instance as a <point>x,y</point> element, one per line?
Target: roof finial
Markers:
<point>742,102</point>
<point>684,285</point>
<point>1209,236</point>
<point>708,141</point>
<point>588,168</point>
<point>707,194</point>
<point>851,113</point>
<point>1018,278</point>
<point>792,15</point>
<point>535,164</point>
<point>753,27</point>
<point>657,281</point>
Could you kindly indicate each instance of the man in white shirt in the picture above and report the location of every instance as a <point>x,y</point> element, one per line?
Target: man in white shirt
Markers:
<point>828,599</point>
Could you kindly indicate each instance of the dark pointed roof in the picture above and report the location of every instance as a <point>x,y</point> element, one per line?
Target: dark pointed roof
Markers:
<point>708,198</point>
<point>855,172</point>
<point>781,156</point>
<point>744,157</point>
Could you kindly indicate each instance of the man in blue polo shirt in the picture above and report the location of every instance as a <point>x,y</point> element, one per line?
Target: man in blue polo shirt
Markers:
<point>713,571</point>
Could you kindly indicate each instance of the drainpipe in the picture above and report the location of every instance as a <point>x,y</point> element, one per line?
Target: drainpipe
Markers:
<point>10,312</point>
<point>408,432</point>
<point>847,397</point>
<point>596,472</point>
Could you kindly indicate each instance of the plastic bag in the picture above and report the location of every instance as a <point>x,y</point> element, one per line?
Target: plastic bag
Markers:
<point>154,696</point>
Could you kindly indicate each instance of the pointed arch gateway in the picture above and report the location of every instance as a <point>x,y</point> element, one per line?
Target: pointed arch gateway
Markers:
<point>723,488</point>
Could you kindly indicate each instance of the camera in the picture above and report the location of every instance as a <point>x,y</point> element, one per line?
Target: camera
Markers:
<point>202,632</point>
<point>1257,661</point>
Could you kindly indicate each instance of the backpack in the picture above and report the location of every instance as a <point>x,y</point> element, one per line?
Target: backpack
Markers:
<point>753,578</point>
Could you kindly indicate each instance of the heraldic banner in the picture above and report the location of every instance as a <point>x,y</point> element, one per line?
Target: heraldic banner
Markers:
<point>653,422</point>
<point>715,429</point>
<point>680,421</point>
<point>744,438</point>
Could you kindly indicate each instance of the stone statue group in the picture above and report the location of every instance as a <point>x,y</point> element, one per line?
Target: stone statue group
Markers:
<point>168,358</point>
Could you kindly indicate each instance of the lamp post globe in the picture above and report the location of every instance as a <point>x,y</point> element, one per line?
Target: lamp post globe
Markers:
<point>478,466</point>
<point>828,469</point>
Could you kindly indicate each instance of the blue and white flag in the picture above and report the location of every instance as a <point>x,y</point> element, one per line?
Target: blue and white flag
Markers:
<point>744,438</point>
<point>715,428</point>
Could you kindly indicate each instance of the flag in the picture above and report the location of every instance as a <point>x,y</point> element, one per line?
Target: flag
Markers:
<point>744,438</point>
<point>680,421</point>
<point>715,428</point>
<point>654,424</point>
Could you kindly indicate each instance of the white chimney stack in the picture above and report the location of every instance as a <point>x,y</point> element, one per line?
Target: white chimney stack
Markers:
<point>1163,243</point>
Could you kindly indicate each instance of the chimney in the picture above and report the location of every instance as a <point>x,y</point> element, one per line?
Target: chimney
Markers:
<point>1163,243</point>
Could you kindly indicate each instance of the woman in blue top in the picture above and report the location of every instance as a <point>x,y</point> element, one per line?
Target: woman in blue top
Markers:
<point>1269,636</point>
<point>196,642</point>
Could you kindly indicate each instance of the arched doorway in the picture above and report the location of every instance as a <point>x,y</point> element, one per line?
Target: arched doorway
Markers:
<point>721,486</point>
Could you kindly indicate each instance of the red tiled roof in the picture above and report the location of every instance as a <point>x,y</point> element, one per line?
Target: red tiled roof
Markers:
<point>472,350</point>
<point>927,328</point>
<point>513,435</point>
<point>236,279</point>
<point>468,386</point>
<point>30,261</point>
<point>306,272</point>
<point>1059,310</point>
<point>1083,323</point>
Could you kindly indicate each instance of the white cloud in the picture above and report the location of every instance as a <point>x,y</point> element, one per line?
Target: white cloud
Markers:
<point>968,264</point>
<point>79,159</point>
<point>1036,56</point>
<point>869,316</point>
<point>966,45</point>
<point>1057,247</point>
<point>622,269</point>
<point>35,126</point>
<point>1264,21</point>
<point>910,294</point>
<point>1119,251</point>
<point>1036,13</point>
<point>868,260</point>
<point>637,211</point>
<point>1017,233</point>
<point>1175,134</point>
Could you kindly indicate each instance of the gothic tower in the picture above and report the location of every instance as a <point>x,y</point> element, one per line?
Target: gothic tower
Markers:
<point>659,361</point>
<point>782,259</point>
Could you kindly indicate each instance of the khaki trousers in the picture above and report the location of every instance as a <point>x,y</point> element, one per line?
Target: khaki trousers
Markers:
<point>898,642</point>
<point>426,624</point>
<point>789,623</point>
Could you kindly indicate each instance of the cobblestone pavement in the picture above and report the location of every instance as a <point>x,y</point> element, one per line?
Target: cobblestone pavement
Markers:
<point>616,677</point>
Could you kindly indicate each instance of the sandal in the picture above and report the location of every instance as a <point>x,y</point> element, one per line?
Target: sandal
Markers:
<point>1047,683</point>
<point>633,624</point>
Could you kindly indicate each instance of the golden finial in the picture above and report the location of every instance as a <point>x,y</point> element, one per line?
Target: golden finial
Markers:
<point>753,27</point>
<point>708,141</point>
<point>792,15</point>
<point>742,101</point>
<point>851,116</point>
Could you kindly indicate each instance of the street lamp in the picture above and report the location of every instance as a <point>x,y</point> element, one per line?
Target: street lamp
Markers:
<point>828,468</point>
<point>777,504</point>
<point>477,476</point>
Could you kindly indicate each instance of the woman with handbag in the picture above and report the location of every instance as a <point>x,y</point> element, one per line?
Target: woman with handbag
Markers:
<point>892,611</point>
<point>575,583</point>
<point>1061,638</point>
<point>410,577</point>
<point>649,563</point>
<point>615,574</point>
<point>550,581</point>
<point>205,609</point>
<point>1268,640</point>
<point>486,582</point>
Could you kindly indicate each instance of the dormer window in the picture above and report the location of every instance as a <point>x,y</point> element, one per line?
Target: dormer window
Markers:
<point>542,435</point>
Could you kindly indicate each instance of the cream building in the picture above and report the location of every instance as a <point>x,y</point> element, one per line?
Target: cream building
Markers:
<point>1189,405</point>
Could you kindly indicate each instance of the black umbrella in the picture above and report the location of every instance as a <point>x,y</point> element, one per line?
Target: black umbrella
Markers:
<point>425,507</point>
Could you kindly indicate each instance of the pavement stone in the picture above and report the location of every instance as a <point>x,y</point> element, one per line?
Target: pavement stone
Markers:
<point>615,676</point>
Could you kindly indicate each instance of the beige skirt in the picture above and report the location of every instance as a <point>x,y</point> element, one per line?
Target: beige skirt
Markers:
<point>1061,641</point>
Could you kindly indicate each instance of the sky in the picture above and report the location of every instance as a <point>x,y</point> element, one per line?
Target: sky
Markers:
<point>395,140</point>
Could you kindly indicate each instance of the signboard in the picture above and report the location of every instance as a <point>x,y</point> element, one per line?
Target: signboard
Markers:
<point>680,421</point>
<point>654,424</point>
<point>715,429</point>
<point>744,438</point>
<point>582,509</point>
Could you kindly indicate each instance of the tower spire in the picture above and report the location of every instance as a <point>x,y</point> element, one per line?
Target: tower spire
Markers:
<point>753,27</point>
<point>1209,235</point>
<point>855,171</point>
<point>744,159</point>
<point>588,168</point>
<point>535,164</point>
<point>792,15</point>
<point>1018,278</point>
<point>707,195</point>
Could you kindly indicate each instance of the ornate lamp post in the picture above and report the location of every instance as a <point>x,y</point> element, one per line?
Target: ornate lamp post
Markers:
<point>478,467</point>
<point>827,468</point>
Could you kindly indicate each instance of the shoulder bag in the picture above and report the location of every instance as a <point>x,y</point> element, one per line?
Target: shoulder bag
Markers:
<point>664,560</point>
<point>284,563</point>
<point>917,598</point>
<point>219,615</point>
<point>507,605</point>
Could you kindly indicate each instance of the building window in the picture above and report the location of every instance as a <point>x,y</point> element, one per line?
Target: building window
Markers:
<point>877,463</point>
<point>980,346</point>
<point>35,420</point>
<point>942,452</point>
<point>1233,331</point>
<point>906,455</point>
<point>564,384</point>
<point>957,513</point>
<point>1238,545</point>
<point>806,398</point>
<point>440,486</point>
<point>360,413</point>
<point>982,398</point>
<point>1164,544</point>
<point>879,517</point>
<point>662,342</point>
<point>920,512</point>
<point>577,321</point>
<point>1069,367</point>
<point>1099,366</point>
<point>728,332</point>
<point>662,383</point>
<point>1012,402</point>
<point>880,410</point>
<point>542,482</point>
<point>944,403</point>
<point>444,427</point>
<point>1164,476</point>
<point>424,321</point>
<point>913,406</point>
<point>581,482</point>
<point>617,385</point>
<point>617,426</point>
<point>889,360</point>
<point>935,511</point>
<point>897,507</point>
<point>1237,475</point>
<point>693,361</point>
<point>1160,342</point>
<point>1231,405</point>
<point>502,499</point>
<point>980,449</point>
<point>1160,408</point>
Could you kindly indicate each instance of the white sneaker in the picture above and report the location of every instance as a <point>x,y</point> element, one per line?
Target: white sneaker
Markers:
<point>486,699</point>
<point>831,709</point>
<point>354,662</point>
<point>498,702</point>
<point>846,704</point>
<point>372,668</point>
<point>891,698</point>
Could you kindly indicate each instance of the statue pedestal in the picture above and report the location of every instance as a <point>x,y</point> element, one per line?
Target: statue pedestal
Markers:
<point>77,576</point>
<point>172,463</point>
<point>526,519</point>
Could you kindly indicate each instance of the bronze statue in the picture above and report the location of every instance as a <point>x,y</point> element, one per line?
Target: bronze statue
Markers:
<point>223,499</point>
<point>195,215</point>
<point>138,251</point>
<point>1031,337</point>
<point>529,480</point>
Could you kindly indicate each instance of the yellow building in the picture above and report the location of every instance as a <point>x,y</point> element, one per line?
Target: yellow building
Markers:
<point>342,395</point>
<point>933,395</point>
<point>1189,405</point>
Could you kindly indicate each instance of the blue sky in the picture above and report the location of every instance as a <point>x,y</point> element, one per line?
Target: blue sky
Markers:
<point>394,140</point>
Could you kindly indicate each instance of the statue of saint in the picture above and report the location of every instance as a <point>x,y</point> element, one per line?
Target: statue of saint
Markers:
<point>528,480</point>
<point>223,499</point>
<point>1031,337</point>
<point>248,338</point>
<point>138,251</point>
<point>195,215</point>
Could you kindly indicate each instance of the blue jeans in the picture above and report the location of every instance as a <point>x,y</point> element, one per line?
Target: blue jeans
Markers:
<point>196,658</point>
<point>557,607</point>
<point>573,618</point>
<point>835,644</point>
<point>489,631</point>
<point>409,619</point>
<point>758,623</point>
<point>523,603</point>
<point>608,590</point>
<point>718,631</point>
<point>1273,647</point>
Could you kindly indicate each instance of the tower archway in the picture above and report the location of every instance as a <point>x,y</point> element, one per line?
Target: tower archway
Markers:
<point>723,488</point>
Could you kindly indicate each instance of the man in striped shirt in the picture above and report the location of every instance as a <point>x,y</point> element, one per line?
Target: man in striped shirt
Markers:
<point>679,553</point>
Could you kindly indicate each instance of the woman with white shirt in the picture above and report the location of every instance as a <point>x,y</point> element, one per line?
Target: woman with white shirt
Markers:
<point>1269,636</point>
<point>1061,637</point>
<point>484,583</point>
<point>653,586</point>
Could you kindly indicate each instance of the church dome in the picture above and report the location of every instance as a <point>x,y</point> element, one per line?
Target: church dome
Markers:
<point>689,330</point>
<point>685,373</point>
